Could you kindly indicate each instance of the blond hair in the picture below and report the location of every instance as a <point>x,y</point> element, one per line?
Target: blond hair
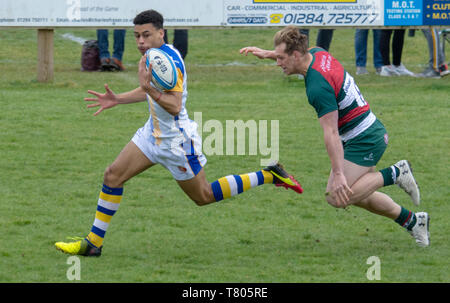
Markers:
<point>294,40</point>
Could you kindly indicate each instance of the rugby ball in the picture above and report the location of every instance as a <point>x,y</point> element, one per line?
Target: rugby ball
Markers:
<point>164,73</point>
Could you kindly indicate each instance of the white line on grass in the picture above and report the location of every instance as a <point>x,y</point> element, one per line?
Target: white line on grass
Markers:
<point>74,38</point>
<point>81,41</point>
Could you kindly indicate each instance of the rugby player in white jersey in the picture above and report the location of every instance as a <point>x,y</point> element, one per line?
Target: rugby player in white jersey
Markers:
<point>354,138</point>
<point>168,138</point>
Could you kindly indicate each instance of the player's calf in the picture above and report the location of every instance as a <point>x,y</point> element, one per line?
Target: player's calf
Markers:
<point>204,197</point>
<point>198,189</point>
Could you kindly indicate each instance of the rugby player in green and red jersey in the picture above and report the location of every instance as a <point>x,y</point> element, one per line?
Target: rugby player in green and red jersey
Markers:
<point>354,138</point>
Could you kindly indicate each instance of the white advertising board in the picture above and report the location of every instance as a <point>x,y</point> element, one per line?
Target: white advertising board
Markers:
<point>191,13</point>
<point>226,13</point>
<point>97,13</point>
<point>304,12</point>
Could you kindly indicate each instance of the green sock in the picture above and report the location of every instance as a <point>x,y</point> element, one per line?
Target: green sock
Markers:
<point>390,174</point>
<point>406,219</point>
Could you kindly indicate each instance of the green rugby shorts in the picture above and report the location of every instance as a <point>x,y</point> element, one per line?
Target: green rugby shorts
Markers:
<point>368,147</point>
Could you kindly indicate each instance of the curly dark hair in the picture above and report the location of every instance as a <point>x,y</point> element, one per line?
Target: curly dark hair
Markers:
<point>149,16</point>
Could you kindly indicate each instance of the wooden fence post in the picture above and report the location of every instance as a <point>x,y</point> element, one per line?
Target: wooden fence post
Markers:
<point>45,55</point>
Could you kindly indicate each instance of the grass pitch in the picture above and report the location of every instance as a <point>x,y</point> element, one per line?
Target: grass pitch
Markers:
<point>53,154</point>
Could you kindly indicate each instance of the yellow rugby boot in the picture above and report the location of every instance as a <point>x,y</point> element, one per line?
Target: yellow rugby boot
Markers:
<point>79,247</point>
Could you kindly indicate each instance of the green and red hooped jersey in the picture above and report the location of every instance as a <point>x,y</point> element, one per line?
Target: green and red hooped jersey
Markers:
<point>330,87</point>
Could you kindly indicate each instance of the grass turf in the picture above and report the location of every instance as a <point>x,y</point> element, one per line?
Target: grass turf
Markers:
<point>53,154</point>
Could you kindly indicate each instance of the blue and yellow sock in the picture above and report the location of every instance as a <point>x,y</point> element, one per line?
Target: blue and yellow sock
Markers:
<point>232,185</point>
<point>108,203</point>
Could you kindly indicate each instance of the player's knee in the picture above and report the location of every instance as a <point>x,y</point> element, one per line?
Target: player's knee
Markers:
<point>333,202</point>
<point>111,178</point>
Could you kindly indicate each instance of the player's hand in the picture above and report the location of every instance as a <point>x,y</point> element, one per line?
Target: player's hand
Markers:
<point>340,192</point>
<point>256,51</point>
<point>104,101</point>
<point>145,74</point>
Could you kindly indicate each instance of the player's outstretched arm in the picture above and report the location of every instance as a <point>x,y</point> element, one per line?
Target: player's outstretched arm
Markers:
<point>109,99</point>
<point>258,52</point>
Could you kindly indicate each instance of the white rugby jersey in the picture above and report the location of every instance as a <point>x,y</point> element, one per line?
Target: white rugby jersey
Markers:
<point>162,128</point>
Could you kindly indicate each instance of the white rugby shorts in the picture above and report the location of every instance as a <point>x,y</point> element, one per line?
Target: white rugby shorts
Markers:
<point>182,157</point>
